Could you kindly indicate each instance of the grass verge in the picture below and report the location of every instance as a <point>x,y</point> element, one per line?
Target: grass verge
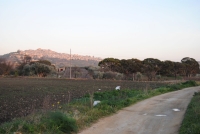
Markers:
<point>80,113</point>
<point>191,121</point>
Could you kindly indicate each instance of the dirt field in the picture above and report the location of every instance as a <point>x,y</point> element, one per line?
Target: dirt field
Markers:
<point>22,96</point>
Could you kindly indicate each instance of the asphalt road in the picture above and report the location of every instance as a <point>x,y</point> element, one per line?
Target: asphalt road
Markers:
<point>162,114</point>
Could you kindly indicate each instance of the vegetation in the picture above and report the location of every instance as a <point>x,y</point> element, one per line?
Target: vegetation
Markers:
<point>51,122</point>
<point>191,122</point>
<point>151,67</point>
<point>109,68</point>
<point>97,73</point>
<point>5,67</point>
<point>39,68</point>
<point>27,67</point>
<point>80,113</point>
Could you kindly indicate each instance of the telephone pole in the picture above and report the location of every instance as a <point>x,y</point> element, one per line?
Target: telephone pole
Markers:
<point>70,65</point>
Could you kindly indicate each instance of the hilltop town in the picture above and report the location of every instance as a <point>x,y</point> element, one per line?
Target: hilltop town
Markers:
<point>59,59</point>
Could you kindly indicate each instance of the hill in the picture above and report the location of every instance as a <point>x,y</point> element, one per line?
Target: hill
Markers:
<point>59,59</point>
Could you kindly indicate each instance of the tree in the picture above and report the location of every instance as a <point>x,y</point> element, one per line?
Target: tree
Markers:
<point>129,67</point>
<point>125,67</point>
<point>150,67</point>
<point>76,71</point>
<point>170,68</point>
<point>41,70</point>
<point>46,62</point>
<point>191,66</point>
<point>167,68</point>
<point>21,67</point>
<point>5,67</point>
<point>110,64</point>
<point>27,70</point>
<point>135,66</point>
<point>27,59</point>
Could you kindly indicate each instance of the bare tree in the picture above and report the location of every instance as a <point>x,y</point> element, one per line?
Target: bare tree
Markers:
<point>5,67</point>
<point>27,59</point>
<point>76,71</point>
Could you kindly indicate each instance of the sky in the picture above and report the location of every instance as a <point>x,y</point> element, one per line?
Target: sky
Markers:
<point>123,29</point>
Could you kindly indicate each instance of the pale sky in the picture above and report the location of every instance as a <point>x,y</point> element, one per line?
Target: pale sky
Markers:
<point>162,29</point>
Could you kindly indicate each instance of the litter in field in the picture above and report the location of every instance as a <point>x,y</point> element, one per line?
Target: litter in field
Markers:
<point>96,102</point>
<point>117,88</point>
<point>160,115</point>
<point>176,110</point>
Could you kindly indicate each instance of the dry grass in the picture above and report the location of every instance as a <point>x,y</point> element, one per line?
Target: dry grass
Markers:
<point>198,82</point>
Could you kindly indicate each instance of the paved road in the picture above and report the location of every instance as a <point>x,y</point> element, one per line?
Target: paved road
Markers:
<point>157,115</point>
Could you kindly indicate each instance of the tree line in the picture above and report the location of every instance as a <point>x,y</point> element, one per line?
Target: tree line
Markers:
<point>151,67</point>
<point>27,67</point>
<point>109,68</point>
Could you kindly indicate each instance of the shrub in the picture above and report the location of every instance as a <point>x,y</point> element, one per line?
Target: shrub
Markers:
<point>97,75</point>
<point>158,77</point>
<point>58,121</point>
<point>138,76</point>
<point>109,75</point>
<point>10,126</point>
<point>190,83</point>
<point>119,76</point>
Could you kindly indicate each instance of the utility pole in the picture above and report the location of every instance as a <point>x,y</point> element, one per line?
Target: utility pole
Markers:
<point>70,65</point>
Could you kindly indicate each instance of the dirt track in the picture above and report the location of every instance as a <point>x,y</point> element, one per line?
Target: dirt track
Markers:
<point>151,116</point>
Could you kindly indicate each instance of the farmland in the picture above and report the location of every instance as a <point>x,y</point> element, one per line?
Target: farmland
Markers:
<point>22,96</point>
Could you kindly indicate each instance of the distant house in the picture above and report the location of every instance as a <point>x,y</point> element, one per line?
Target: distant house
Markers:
<point>61,69</point>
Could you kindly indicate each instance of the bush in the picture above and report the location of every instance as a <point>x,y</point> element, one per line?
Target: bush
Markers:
<point>138,76</point>
<point>58,121</point>
<point>109,75</point>
<point>190,83</point>
<point>97,75</point>
<point>10,126</point>
<point>158,77</point>
<point>119,76</point>
<point>113,75</point>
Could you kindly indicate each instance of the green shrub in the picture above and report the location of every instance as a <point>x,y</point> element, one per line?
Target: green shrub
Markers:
<point>58,121</point>
<point>190,83</point>
<point>138,76</point>
<point>9,127</point>
<point>29,128</point>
